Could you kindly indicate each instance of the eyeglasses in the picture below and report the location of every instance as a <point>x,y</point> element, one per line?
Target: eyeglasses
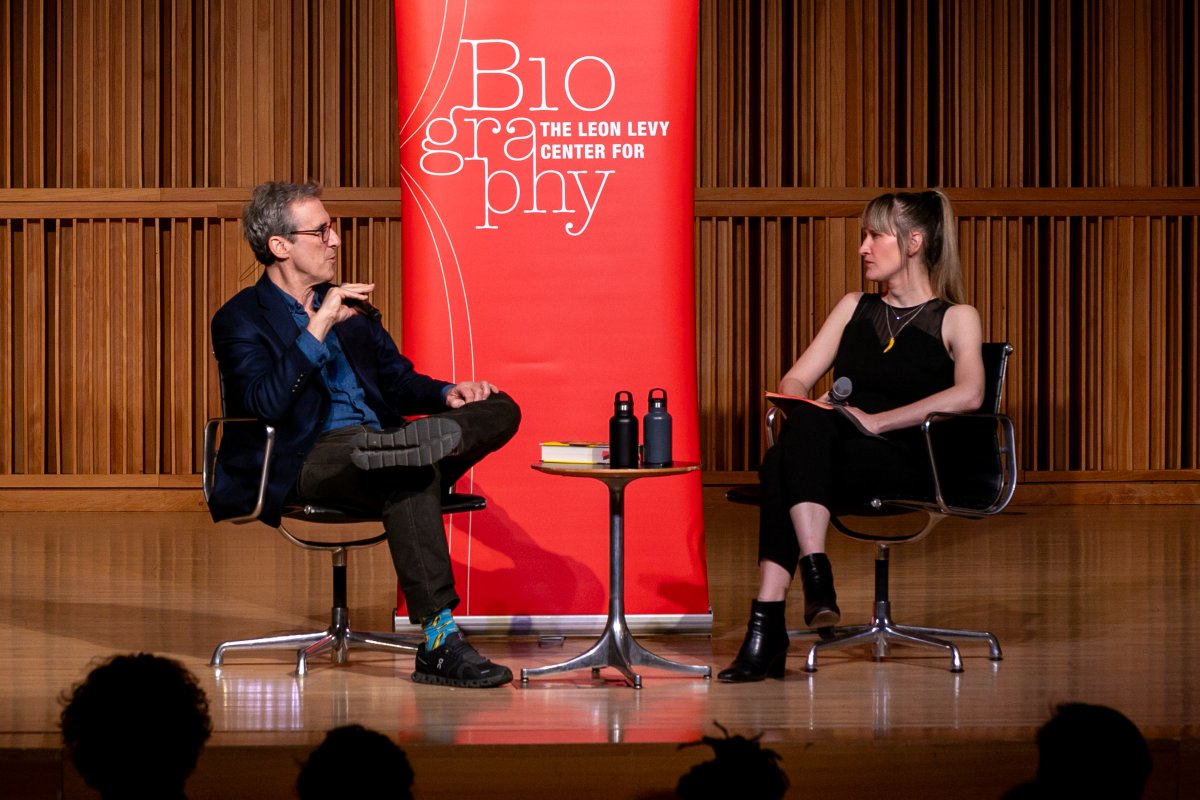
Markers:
<point>322,231</point>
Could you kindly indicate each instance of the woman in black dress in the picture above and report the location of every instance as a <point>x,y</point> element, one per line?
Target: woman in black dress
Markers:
<point>910,350</point>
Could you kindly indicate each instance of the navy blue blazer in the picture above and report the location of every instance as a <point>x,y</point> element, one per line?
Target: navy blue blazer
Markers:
<point>265,375</point>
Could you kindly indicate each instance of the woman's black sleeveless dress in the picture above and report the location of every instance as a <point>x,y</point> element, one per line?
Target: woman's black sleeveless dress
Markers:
<point>821,457</point>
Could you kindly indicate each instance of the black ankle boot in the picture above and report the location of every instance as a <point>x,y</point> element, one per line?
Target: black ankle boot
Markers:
<point>820,599</point>
<point>764,650</point>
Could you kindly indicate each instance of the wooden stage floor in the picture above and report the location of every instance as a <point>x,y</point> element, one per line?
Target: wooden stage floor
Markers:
<point>1096,604</point>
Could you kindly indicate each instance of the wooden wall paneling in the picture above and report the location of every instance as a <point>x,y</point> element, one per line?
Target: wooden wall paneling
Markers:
<point>129,148</point>
<point>915,121</point>
<point>120,320</point>
<point>1191,339</point>
<point>267,81</point>
<point>807,76</point>
<point>1190,116</point>
<point>702,244</point>
<point>75,322</point>
<point>151,257</point>
<point>1142,91</point>
<point>9,427</point>
<point>1153,346</point>
<point>1142,343</point>
<point>148,87</point>
<point>1116,368</point>
<point>326,93</point>
<point>1027,355</point>
<point>203,239</point>
<point>1062,150</point>
<point>746,102</point>
<point>1018,109</point>
<point>1165,326</point>
<point>10,65</point>
<point>975,85</point>
<point>824,95</point>
<point>771,93</point>
<point>1039,362</point>
<point>1161,83</point>
<point>177,343</point>
<point>809,100</point>
<point>233,58</point>
<point>373,156</point>
<point>72,114</point>
<point>708,72</point>
<point>858,43</point>
<point>20,93</point>
<point>98,352</point>
<point>868,106</point>
<point>1059,396</point>
<point>1174,292</point>
<point>1095,319</point>
<point>180,95</point>
<point>29,349</point>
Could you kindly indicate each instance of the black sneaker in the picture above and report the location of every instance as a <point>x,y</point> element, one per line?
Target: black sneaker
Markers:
<point>457,663</point>
<point>420,443</point>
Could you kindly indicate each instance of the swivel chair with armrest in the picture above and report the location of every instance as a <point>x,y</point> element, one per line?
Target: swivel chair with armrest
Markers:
<point>973,461</point>
<point>338,637</point>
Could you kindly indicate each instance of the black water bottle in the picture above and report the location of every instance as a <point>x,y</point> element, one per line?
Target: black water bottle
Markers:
<point>623,433</point>
<point>656,432</point>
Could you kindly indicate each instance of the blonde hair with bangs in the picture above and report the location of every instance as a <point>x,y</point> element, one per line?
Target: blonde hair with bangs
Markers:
<point>902,213</point>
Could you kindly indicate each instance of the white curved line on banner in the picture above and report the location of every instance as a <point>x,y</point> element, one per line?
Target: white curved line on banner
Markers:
<point>445,84</point>
<point>432,70</point>
<point>414,189</point>
<point>422,198</point>
<point>404,176</point>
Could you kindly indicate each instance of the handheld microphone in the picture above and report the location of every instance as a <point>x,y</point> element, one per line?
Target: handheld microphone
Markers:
<point>841,390</point>
<point>361,306</point>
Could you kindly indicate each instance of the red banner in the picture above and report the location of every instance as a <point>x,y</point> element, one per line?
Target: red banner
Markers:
<point>547,166</point>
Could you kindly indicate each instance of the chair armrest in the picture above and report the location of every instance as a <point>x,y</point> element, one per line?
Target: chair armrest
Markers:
<point>208,467</point>
<point>1004,450</point>
<point>774,419</point>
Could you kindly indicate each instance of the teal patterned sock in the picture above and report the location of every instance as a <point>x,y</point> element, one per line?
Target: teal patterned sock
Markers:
<point>437,627</point>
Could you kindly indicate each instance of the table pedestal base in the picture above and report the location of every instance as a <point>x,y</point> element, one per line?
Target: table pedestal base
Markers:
<point>617,648</point>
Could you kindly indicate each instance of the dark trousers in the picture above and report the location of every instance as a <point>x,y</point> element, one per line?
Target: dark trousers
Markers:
<point>409,499</point>
<point>821,457</point>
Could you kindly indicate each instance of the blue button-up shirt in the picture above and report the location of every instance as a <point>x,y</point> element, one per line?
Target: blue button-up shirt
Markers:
<point>349,406</point>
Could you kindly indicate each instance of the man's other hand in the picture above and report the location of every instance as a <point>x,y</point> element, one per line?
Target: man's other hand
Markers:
<point>469,392</point>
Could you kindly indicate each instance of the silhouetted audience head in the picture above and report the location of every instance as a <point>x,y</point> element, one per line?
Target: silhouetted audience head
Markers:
<point>135,727</point>
<point>1088,751</point>
<point>355,762</point>
<point>741,768</point>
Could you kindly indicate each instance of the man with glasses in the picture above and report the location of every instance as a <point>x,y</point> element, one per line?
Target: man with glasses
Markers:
<point>310,357</point>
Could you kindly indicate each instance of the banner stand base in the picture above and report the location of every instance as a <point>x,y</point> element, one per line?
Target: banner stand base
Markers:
<point>570,624</point>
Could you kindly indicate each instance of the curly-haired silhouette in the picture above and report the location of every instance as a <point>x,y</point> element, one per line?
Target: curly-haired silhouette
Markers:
<point>135,727</point>
<point>1088,751</point>
<point>741,768</point>
<point>354,761</point>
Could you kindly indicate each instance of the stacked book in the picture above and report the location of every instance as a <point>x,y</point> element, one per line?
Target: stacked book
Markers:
<point>575,452</point>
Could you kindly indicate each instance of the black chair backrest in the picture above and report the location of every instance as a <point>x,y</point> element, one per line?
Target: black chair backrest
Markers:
<point>995,366</point>
<point>968,452</point>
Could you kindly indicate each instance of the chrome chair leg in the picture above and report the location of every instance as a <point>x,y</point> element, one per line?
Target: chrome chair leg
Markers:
<point>338,637</point>
<point>264,643</point>
<point>882,632</point>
